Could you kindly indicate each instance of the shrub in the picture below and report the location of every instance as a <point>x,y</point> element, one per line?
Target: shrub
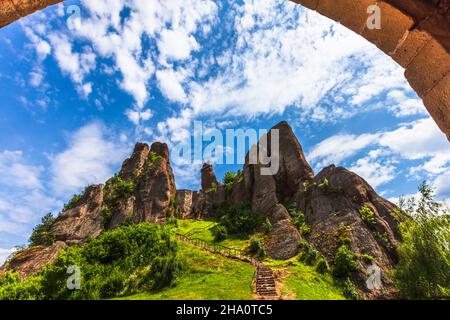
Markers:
<point>108,264</point>
<point>323,266</point>
<point>305,229</point>
<point>220,233</point>
<point>324,186</point>
<point>73,202</point>
<point>344,262</point>
<point>256,248</point>
<point>213,188</point>
<point>163,271</point>
<point>343,234</point>
<point>231,178</point>
<point>149,164</point>
<point>309,254</point>
<point>41,233</point>
<point>349,289</point>
<point>239,220</point>
<point>368,216</point>
<point>116,189</point>
<point>267,226</point>
<point>423,271</point>
<point>366,258</point>
<point>298,217</point>
<point>12,288</point>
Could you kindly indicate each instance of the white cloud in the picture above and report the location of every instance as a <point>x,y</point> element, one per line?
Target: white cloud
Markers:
<point>91,157</point>
<point>36,77</point>
<point>377,172</point>
<point>4,254</point>
<point>176,44</point>
<point>337,148</point>
<point>170,86</point>
<point>136,116</point>
<point>402,105</point>
<point>16,173</point>
<point>416,140</point>
<point>77,65</point>
<point>286,56</point>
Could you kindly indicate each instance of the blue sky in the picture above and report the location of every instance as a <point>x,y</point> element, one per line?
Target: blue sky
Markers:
<point>83,81</point>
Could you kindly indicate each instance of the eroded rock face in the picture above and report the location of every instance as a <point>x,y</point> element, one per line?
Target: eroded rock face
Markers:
<point>208,177</point>
<point>30,261</point>
<point>155,187</point>
<point>210,196</point>
<point>330,208</point>
<point>132,166</point>
<point>184,202</point>
<point>82,222</point>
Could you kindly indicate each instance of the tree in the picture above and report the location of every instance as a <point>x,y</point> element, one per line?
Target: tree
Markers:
<point>423,271</point>
<point>41,233</point>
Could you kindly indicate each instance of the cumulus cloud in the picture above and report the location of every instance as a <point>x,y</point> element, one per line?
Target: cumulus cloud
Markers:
<point>416,140</point>
<point>17,173</point>
<point>4,254</point>
<point>91,157</point>
<point>23,198</point>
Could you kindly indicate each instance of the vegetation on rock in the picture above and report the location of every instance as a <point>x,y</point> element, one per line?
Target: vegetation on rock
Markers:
<point>41,235</point>
<point>123,261</point>
<point>231,178</point>
<point>423,271</point>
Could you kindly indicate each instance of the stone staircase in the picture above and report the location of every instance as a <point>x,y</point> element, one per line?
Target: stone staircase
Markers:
<point>265,283</point>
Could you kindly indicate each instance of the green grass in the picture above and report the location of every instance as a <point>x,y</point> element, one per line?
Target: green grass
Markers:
<point>209,277</point>
<point>303,282</point>
<point>202,230</point>
<point>212,277</point>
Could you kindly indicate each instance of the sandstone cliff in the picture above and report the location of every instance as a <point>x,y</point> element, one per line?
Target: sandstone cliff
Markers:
<point>331,201</point>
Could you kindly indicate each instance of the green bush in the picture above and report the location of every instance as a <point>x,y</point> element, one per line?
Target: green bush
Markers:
<point>366,258</point>
<point>116,189</point>
<point>163,271</point>
<point>12,288</point>
<point>298,217</point>
<point>349,289</point>
<point>367,216</point>
<point>344,262</point>
<point>212,189</point>
<point>257,249</point>
<point>41,235</point>
<point>309,255</point>
<point>108,266</point>
<point>423,271</point>
<point>323,266</point>
<point>239,220</point>
<point>219,232</point>
<point>267,226</point>
<point>73,202</point>
<point>231,178</point>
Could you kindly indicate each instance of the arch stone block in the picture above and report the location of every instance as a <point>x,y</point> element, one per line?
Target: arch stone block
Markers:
<point>394,26</point>
<point>437,102</point>
<point>410,46</point>
<point>428,67</point>
<point>350,13</point>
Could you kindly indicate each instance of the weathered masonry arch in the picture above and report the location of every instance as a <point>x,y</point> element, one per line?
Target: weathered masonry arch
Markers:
<point>415,33</point>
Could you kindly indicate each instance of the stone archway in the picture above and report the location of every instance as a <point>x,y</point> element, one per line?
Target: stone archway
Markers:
<point>416,34</point>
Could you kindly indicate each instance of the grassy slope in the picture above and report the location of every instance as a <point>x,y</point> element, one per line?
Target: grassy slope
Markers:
<point>302,282</point>
<point>214,277</point>
<point>209,277</point>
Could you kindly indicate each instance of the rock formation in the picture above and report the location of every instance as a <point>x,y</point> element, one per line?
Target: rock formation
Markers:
<point>151,194</point>
<point>332,202</point>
